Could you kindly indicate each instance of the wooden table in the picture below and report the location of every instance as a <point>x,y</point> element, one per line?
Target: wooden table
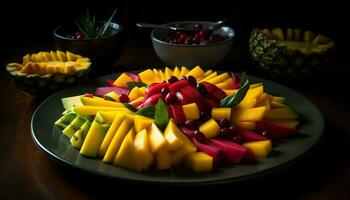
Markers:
<point>26,172</point>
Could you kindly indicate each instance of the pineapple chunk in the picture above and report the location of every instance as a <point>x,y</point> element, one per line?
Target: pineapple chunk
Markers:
<point>210,128</point>
<point>191,111</point>
<point>199,162</point>
<point>141,122</point>
<point>248,115</point>
<point>218,113</point>
<point>122,80</point>
<point>220,78</point>
<point>196,72</point>
<point>260,148</point>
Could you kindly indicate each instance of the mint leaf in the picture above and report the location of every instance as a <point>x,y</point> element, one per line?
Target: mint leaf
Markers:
<point>130,107</point>
<point>237,97</point>
<point>147,111</point>
<point>161,115</point>
<point>135,84</point>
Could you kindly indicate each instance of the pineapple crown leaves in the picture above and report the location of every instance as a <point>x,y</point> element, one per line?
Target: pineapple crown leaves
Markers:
<point>87,25</point>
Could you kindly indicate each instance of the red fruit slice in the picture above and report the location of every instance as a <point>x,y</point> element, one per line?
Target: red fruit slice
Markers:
<point>275,130</point>
<point>211,150</point>
<point>177,114</point>
<point>184,98</point>
<point>250,136</point>
<point>232,152</point>
<point>152,100</point>
<point>134,77</point>
<point>177,86</point>
<point>155,88</point>
<point>197,98</point>
<point>110,83</point>
<point>104,90</point>
<point>214,102</point>
<point>189,133</point>
<point>214,91</point>
<point>236,86</point>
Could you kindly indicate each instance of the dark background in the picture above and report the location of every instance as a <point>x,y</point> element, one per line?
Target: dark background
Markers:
<point>27,26</point>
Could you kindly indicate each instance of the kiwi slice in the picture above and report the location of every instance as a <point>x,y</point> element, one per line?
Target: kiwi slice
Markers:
<point>78,138</point>
<point>74,126</point>
<point>65,120</point>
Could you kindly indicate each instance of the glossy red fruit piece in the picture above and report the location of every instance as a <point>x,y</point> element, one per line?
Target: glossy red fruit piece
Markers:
<point>184,98</point>
<point>231,152</point>
<point>134,77</point>
<point>171,98</point>
<point>155,89</point>
<point>211,150</point>
<point>250,136</point>
<point>189,133</point>
<point>177,86</point>
<point>152,100</point>
<point>178,114</point>
<point>214,91</point>
<point>110,83</point>
<point>123,98</point>
<point>275,130</point>
<point>193,95</point>
<point>101,91</point>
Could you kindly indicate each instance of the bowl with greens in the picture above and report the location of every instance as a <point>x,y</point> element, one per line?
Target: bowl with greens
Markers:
<point>102,41</point>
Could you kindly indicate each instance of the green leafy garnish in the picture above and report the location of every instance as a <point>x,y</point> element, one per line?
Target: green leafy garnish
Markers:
<point>135,84</point>
<point>130,107</point>
<point>87,25</point>
<point>147,111</point>
<point>237,97</point>
<point>161,115</point>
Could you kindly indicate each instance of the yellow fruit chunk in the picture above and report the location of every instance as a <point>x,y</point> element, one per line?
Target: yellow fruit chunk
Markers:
<point>275,104</point>
<point>137,92</point>
<point>178,155</point>
<point>109,116</point>
<point>26,59</point>
<point>168,73</point>
<point>260,148</point>
<point>141,122</point>
<point>278,99</point>
<point>211,76</point>
<point>156,139</point>
<point>227,84</point>
<point>122,80</point>
<point>47,56</point>
<point>39,57</point>
<point>110,134</point>
<point>177,72</point>
<point>282,113</point>
<point>218,113</point>
<point>71,56</point>
<point>309,36</point>
<point>229,92</point>
<point>210,128</point>
<point>278,33</point>
<point>207,73</point>
<point>184,71</point>
<point>147,76</point>
<point>289,34</point>
<point>163,160</point>
<point>142,148</point>
<point>191,111</point>
<point>92,110</point>
<point>118,138</point>
<point>199,162</point>
<point>220,78</point>
<point>296,34</point>
<point>111,96</point>
<point>246,125</point>
<point>255,85</point>
<point>263,100</point>
<point>247,103</point>
<point>54,56</point>
<point>127,156</point>
<point>290,123</point>
<point>93,140</point>
<point>196,72</point>
<point>255,92</point>
<point>162,75</point>
<point>61,56</point>
<point>248,115</point>
<point>88,101</point>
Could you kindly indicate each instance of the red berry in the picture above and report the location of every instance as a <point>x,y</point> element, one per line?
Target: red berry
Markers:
<point>223,122</point>
<point>199,136</point>
<point>202,89</point>
<point>189,40</point>
<point>171,98</point>
<point>164,91</point>
<point>172,79</point>
<point>237,139</point>
<point>192,80</point>
<point>191,124</point>
<point>123,98</point>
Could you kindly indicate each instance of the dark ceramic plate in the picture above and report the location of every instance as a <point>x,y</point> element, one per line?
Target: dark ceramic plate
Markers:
<point>51,141</point>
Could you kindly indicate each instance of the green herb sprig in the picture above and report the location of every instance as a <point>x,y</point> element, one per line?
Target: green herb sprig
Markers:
<point>87,25</point>
<point>237,97</point>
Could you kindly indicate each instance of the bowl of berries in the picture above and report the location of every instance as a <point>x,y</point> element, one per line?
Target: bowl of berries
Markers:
<point>192,43</point>
<point>102,41</point>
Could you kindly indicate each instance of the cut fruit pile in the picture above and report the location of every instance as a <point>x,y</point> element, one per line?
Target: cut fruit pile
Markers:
<point>177,117</point>
<point>44,72</point>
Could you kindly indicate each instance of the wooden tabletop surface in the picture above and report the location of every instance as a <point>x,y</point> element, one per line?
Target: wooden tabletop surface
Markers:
<point>26,172</point>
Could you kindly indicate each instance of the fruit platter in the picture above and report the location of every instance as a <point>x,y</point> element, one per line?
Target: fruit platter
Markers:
<point>177,126</point>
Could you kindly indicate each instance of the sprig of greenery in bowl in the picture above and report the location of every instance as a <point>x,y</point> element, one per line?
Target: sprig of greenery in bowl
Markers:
<point>87,26</point>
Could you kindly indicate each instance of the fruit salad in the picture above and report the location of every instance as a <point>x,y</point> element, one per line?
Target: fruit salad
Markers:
<point>163,118</point>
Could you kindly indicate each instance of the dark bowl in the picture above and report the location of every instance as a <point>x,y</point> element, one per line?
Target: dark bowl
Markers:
<point>103,53</point>
<point>206,55</point>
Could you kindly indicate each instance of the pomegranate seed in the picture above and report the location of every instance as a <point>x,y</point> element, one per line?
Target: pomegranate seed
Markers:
<point>188,40</point>
<point>202,89</point>
<point>233,130</point>
<point>224,133</point>
<point>164,91</point>
<point>192,81</point>
<point>238,139</point>
<point>223,122</point>
<point>123,98</point>
<point>199,136</point>
<point>191,124</point>
<point>172,79</point>
<point>171,98</point>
